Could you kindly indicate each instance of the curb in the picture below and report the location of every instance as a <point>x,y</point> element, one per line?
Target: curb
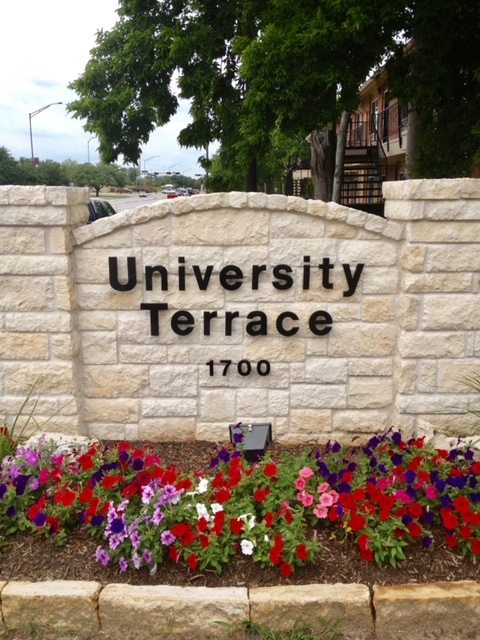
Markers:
<point>415,611</point>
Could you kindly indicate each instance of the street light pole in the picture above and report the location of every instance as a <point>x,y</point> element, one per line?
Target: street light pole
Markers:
<point>30,116</point>
<point>88,149</point>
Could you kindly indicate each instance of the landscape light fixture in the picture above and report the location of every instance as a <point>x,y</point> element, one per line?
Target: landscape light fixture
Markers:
<point>252,438</point>
<point>30,116</point>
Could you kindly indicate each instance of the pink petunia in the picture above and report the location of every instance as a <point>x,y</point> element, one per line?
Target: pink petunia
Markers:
<point>430,492</point>
<point>320,511</point>
<point>323,487</point>
<point>305,498</point>
<point>305,473</point>
<point>300,484</point>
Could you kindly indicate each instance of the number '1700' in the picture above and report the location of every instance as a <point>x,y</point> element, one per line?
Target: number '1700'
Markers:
<point>243,367</point>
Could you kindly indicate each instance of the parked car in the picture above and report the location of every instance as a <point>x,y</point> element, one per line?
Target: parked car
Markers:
<point>123,190</point>
<point>182,192</point>
<point>99,208</point>
<point>172,194</point>
<point>142,194</point>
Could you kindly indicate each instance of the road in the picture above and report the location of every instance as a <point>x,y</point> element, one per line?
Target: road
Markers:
<point>132,201</point>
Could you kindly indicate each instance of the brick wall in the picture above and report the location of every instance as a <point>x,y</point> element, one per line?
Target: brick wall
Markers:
<point>336,349</point>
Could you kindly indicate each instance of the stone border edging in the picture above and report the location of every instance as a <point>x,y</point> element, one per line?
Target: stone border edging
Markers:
<point>417,611</point>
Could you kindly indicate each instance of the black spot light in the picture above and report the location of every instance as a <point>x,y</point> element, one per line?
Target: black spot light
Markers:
<point>251,438</point>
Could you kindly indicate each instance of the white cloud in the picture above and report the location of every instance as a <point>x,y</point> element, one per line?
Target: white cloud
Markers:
<point>43,47</point>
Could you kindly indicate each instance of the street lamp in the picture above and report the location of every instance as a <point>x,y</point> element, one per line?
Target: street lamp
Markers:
<point>30,116</point>
<point>145,162</point>
<point>88,149</point>
<point>183,175</point>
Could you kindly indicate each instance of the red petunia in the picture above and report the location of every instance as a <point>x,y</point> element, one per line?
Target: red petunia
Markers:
<point>192,561</point>
<point>475,546</point>
<point>204,541</point>
<point>65,497</point>
<point>357,522</point>
<point>302,552</point>
<point>451,540</point>
<point>268,519</point>
<point>110,481</point>
<point>202,524</point>
<point>85,461</point>
<point>449,519</point>
<point>222,496</point>
<point>270,470</point>
<point>286,569</point>
<point>415,509</point>
<point>173,554</point>
<point>235,525</point>
<point>465,532</point>
<point>260,495</point>
<point>414,529</point>
<point>218,520</point>
<point>86,494</point>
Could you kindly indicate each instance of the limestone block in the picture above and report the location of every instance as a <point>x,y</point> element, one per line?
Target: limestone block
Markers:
<point>439,189</point>
<point>427,377</point>
<point>115,381</point>
<point>434,344</point>
<point>344,311</point>
<point>221,228</point>
<point>294,203</point>
<point>370,367</point>
<point>444,232</point>
<point>276,202</point>
<point>361,421</point>
<point>276,350</point>
<point>238,199</point>
<point>154,233</point>
<point>453,375</point>
<point>284,251</point>
<point>122,410</point>
<point>174,381</point>
<point>100,297</point>
<point>338,229</point>
<point>357,340</point>
<point>446,257</point>
<point>380,281</point>
<point>441,610</point>
<point>413,257</point>
<point>60,604</point>
<point>452,210</point>
<point>26,293</point>
<point>278,402</point>
<point>374,223</point>
<point>431,403</point>
<point>449,312</point>
<point>290,225</point>
<point>99,347</point>
<point>96,321</point>
<point>169,407</point>
<point>29,195</point>
<point>317,208</point>
<point>252,402</point>
<point>369,393</point>
<point>212,431</point>
<point>24,346</point>
<point>217,405</point>
<point>318,396</point>
<point>404,210</point>
<point>408,312</point>
<point>307,423</point>
<point>326,370</point>
<point>373,254</point>
<point>50,378</point>
<point>142,354</point>
<point>393,230</point>
<point>378,309</point>
<point>406,376</point>
<point>22,240</point>
<point>158,612</point>
<point>439,283</point>
<point>64,293</point>
<point>350,603</point>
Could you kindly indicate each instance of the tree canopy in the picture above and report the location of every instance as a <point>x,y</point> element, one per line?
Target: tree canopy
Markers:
<point>254,67</point>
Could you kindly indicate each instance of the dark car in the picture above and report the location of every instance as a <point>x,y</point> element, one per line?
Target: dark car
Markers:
<point>123,190</point>
<point>99,208</point>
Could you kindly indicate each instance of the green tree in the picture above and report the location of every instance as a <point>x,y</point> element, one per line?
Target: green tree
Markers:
<point>439,77</point>
<point>9,172</point>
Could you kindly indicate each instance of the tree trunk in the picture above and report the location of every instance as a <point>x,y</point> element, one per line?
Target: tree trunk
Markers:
<point>411,150</point>
<point>322,163</point>
<point>340,157</point>
<point>252,178</point>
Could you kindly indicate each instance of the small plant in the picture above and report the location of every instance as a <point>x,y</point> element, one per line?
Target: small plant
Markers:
<point>13,433</point>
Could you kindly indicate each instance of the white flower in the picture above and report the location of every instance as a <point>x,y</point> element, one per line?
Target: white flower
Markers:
<point>202,511</point>
<point>247,547</point>
<point>203,485</point>
<point>248,519</point>
<point>216,507</point>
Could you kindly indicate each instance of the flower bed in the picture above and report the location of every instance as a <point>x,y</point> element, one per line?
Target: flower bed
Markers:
<point>385,496</point>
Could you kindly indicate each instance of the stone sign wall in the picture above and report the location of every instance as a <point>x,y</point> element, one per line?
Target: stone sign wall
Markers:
<point>175,319</point>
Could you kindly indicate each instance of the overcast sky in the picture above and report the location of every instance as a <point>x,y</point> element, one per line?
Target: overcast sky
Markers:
<point>44,45</point>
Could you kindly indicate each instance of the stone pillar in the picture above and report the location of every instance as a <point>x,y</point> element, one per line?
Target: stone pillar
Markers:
<point>38,339</point>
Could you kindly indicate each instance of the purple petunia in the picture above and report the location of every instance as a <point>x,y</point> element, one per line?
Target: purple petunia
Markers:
<point>40,519</point>
<point>117,525</point>
<point>167,538</point>
<point>123,564</point>
<point>102,556</point>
